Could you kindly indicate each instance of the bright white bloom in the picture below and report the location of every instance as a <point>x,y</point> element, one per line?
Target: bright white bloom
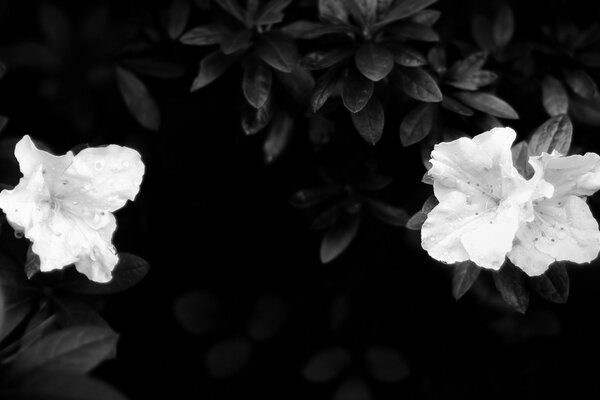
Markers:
<point>64,204</point>
<point>563,227</point>
<point>482,199</point>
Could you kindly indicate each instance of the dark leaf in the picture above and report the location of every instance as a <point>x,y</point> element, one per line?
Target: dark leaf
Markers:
<point>455,106</point>
<point>416,221</point>
<point>320,131</point>
<point>353,389</point>
<point>256,83</point>
<point>504,26</point>
<point>417,124</point>
<point>554,96</point>
<point>18,296</point>
<point>485,122</point>
<point>272,12</point>
<point>196,312</point>
<point>585,111</point>
<point>73,312</point>
<point>278,50</point>
<point>375,182</point>
<point>464,276</point>
<point>419,85</point>
<point>339,236</point>
<point>234,9</point>
<point>48,385</point>
<point>236,41</point>
<point>553,285</point>
<point>356,91</point>
<point>554,134</point>
<point>312,196</point>
<point>581,83</point>
<point>509,282</point>
<point>328,217</point>
<point>437,58</point>
<point>467,66</point>
<point>374,61</point>
<point>487,103</point>
<point>326,58</point>
<point>138,99</point>
<point>370,121</point>
<point>299,84</point>
<point>481,29</point>
<point>205,35</point>
<point>404,9</point>
<point>324,88</point>
<point>387,213</point>
<point>3,122</point>
<point>429,204</point>
<point>278,137</point>
<point>426,17</point>
<point>327,364</point>
<point>334,11</point>
<point>76,349</point>
<point>163,68</point>
<point>386,364</point>
<point>589,58</point>
<point>520,156</point>
<point>313,30</point>
<point>474,81</point>
<point>32,263</point>
<point>211,67</point>
<point>414,31</point>
<point>407,56</point>
<point>228,357</point>
<point>175,17</point>
<point>128,272</point>
<point>267,318</point>
<point>254,120</point>
<point>2,70</point>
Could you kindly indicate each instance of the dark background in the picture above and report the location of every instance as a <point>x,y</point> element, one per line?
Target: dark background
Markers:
<point>230,256</point>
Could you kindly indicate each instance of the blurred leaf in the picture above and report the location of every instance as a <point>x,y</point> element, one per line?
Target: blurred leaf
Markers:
<point>487,103</point>
<point>313,30</point>
<point>464,276</point>
<point>49,385</point>
<point>128,272</point>
<point>76,349</point>
<point>509,282</point>
<point>324,88</point>
<point>3,122</point>
<point>485,122</point>
<point>474,80</point>
<point>437,58</point>
<point>163,68</point>
<point>404,9</point>
<point>554,134</point>
<point>356,91</point>
<point>334,11</point>
<point>419,85</point>
<point>267,318</point>
<point>581,83</point>
<point>386,364</point>
<point>278,137</point>
<point>374,61</point>
<point>426,17</point>
<point>327,364</point>
<point>205,35</point>
<point>375,182</point>
<point>328,217</point>
<point>278,50</point>
<point>416,221</point>
<point>1,308</point>
<point>19,298</point>
<point>175,17</point>
<point>254,120</point>
<point>310,197</point>
<point>417,124</point>
<point>585,111</point>
<point>32,263</point>
<point>387,213</point>
<point>553,285</point>
<point>554,96</point>
<point>520,156</point>
<point>414,31</point>
<point>272,12</point>
<point>228,357</point>
<point>256,83</point>
<point>472,63</point>
<point>338,237</point>
<point>369,121</point>
<point>211,67</point>
<point>55,26</point>
<point>353,389</point>
<point>504,26</point>
<point>196,311</point>
<point>299,84</point>
<point>407,56</point>
<point>236,41</point>
<point>327,58</point>
<point>429,204</point>
<point>481,29</point>
<point>589,58</point>
<point>138,99</point>
<point>455,106</point>
<point>72,312</point>
<point>233,8</point>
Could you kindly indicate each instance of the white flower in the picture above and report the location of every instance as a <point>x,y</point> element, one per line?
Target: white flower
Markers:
<point>563,228</point>
<point>64,204</point>
<point>482,199</point>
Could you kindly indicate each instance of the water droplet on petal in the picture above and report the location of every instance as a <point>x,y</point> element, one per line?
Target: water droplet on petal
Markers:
<point>18,234</point>
<point>562,234</point>
<point>125,164</point>
<point>98,165</point>
<point>75,203</point>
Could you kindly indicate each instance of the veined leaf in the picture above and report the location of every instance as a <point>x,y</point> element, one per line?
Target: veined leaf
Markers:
<point>404,9</point>
<point>487,103</point>
<point>455,106</point>
<point>272,12</point>
<point>509,282</point>
<point>256,83</point>
<point>464,276</point>
<point>236,41</point>
<point>467,66</point>
<point>211,67</point>
<point>338,237</point>
<point>356,91</point>
<point>138,99</point>
<point>370,120</point>
<point>554,134</point>
<point>374,61</point>
<point>278,51</point>
<point>324,88</point>
<point>473,81</point>
<point>326,58</point>
<point>256,119</point>
<point>419,85</point>
<point>554,96</point>
<point>407,56</point>
<point>417,124</point>
<point>205,35</point>
<point>553,285</point>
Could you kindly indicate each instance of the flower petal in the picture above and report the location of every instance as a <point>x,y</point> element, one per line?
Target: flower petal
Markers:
<point>19,203</point>
<point>572,175</point>
<point>103,178</point>
<point>458,230</point>
<point>564,229</point>
<point>30,158</point>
